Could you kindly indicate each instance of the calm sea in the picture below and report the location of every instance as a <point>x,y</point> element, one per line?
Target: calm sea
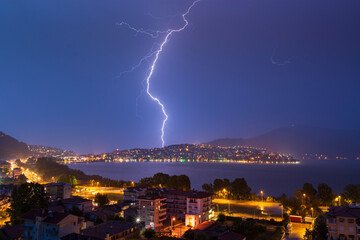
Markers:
<point>272,179</point>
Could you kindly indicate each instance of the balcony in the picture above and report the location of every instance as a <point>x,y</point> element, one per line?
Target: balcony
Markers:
<point>332,221</point>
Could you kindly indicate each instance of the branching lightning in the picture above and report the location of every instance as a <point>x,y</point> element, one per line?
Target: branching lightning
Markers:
<point>156,54</point>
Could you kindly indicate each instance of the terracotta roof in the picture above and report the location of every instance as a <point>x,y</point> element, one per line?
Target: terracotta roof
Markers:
<point>111,227</point>
<point>13,231</point>
<point>204,225</point>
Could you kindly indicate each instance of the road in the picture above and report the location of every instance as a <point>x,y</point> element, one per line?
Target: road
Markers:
<point>298,231</point>
<point>250,208</point>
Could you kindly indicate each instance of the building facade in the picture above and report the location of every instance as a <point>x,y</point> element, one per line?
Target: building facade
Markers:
<point>192,206</point>
<point>151,210</point>
<point>58,190</point>
<point>85,205</point>
<point>132,193</point>
<point>42,224</point>
<point>344,223</point>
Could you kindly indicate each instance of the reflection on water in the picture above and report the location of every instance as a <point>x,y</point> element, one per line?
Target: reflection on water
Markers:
<point>272,179</point>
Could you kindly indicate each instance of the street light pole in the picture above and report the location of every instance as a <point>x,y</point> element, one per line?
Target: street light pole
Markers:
<point>262,195</point>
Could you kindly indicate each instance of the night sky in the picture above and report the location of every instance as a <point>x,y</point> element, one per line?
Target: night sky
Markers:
<point>241,68</point>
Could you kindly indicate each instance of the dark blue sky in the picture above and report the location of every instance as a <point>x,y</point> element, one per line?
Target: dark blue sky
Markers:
<point>59,62</point>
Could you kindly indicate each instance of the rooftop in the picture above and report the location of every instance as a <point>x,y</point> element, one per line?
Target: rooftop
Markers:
<point>111,227</point>
<point>342,211</point>
<point>190,194</point>
<point>13,232</point>
<point>47,215</point>
<point>75,199</point>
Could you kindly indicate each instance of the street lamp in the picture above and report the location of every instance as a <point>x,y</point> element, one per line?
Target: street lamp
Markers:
<point>304,195</point>
<point>312,212</point>
<point>137,220</point>
<point>262,195</point>
<point>172,222</point>
<point>339,200</point>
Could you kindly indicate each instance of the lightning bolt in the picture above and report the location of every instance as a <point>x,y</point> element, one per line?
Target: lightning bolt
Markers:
<point>156,53</point>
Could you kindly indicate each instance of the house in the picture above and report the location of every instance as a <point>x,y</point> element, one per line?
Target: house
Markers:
<point>58,190</point>
<point>45,224</point>
<point>152,210</point>
<point>132,193</point>
<point>344,222</point>
<point>97,216</point>
<point>117,210</point>
<point>85,205</point>
<point>111,230</point>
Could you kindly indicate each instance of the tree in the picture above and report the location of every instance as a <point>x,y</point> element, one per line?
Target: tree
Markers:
<point>221,217</point>
<point>146,182</point>
<point>325,194</point>
<point>319,231</point>
<point>239,187</point>
<point>148,233</point>
<point>352,192</point>
<point>68,179</point>
<point>208,188</point>
<point>101,199</point>
<point>173,182</point>
<point>219,184</point>
<point>25,197</point>
<point>184,183</point>
<point>309,190</point>
<point>161,179</point>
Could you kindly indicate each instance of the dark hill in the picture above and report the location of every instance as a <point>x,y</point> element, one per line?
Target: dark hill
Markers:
<point>300,140</point>
<point>12,148</point>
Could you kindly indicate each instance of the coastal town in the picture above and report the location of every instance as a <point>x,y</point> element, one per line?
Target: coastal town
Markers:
<point>174,153</point>
<point>63,208</point>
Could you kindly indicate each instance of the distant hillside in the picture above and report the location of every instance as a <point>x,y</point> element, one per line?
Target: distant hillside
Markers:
<point>12,148</point>
<point>300,140</point>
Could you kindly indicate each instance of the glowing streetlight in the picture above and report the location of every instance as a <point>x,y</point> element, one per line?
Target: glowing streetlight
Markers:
<point>304,195</point>
<point>138,220</point>
<point>339,200</point>
<point>312,212</point>
<point>172,222</point>
<point>262,195</point>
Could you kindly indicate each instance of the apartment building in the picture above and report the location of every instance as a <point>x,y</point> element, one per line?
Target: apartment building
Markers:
<point>192,206</point>
<point>132,193</point>
<point>344,222</point>
<point>58,191</point>
<point>151,210</point>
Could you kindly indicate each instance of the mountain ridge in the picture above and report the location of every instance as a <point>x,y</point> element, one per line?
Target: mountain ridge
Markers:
<point>301,140</point>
